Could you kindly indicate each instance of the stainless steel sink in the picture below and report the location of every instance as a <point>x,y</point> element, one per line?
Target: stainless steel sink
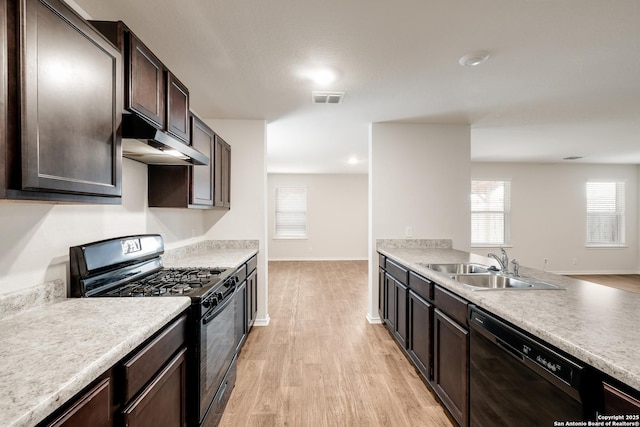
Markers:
<point>497,281</point>
<point>459,268</point>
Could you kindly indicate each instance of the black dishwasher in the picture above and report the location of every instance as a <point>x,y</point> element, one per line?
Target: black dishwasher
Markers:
<point>518,380</point>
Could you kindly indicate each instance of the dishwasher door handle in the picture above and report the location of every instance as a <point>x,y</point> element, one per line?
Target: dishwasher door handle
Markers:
<point>506,347</point>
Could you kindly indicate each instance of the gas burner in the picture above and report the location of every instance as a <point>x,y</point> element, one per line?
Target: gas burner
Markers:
<point>180,289</point>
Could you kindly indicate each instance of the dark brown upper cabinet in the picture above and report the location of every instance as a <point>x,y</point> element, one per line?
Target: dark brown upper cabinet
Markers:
<point>61,108</point>
<point>203,140</point>
<point>194,186</point>
<point>178,109</point>
<point>173,186</point>
<point>222,174</point>
<point>145,79</point>
<point>151,90</point>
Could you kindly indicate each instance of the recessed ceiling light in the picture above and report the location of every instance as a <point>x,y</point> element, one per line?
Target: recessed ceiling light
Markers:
<point>473,59</point>
<point>353,160</point>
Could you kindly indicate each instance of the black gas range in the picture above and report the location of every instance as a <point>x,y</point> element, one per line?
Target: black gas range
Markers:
<point>131,266</point>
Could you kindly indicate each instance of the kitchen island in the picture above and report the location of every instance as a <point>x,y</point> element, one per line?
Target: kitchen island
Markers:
<point>462,339</point>
<point>594,323</point>
<point>52,350</point>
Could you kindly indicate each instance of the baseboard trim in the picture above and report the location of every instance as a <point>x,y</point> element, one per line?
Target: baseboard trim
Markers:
<point>374,320</point>
<point>262,322</point>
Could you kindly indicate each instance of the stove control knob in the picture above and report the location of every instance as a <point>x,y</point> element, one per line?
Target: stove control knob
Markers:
<point>209,302</point>
<point>219,296</point>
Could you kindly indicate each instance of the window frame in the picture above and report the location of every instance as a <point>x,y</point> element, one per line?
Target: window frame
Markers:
<point>505,212</point>
<point>619,212</point>
<point>278,232</point>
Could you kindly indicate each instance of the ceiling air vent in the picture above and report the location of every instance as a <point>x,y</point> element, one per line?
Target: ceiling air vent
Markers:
<point>327,97</point>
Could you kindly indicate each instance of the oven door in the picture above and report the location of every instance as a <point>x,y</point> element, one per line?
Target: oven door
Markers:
<point>217,348</point>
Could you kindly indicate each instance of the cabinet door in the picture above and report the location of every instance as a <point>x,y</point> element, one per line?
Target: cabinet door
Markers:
<point>92,409</point>
<point>390,302</point>
<point>71,86</point>
<point>4,81</point>
<point>203,140</point>
<point>419,342</point>
<point>162,402</point>
<point>451,366</point>
<point>177,108</point>
<point>146,85</point>
<point>226,176</point>
<point>252,298</point>
<point>222,172</point>
<point>617,402</point>
<point>401,323</point>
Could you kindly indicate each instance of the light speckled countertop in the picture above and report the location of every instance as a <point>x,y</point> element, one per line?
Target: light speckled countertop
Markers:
<point>77,340</point>
<point>596,324</point>
<point>49,354</point>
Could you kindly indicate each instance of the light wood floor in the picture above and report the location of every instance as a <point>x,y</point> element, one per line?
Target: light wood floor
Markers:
<point>629,282</point>
<point>320,363</point>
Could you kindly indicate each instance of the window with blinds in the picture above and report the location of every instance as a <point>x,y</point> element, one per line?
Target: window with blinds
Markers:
<point>291,212</point>
<point>605,214</point>
<point>490,213</point>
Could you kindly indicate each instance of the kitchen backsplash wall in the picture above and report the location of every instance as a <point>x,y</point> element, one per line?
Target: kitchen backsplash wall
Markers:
<point>35,237</point>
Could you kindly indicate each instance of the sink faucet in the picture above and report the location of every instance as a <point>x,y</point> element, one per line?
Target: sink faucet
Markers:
<point>516,267</point>
<point>503,261</point>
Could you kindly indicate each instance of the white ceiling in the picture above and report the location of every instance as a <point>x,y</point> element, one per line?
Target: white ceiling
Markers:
<point>563,78</point>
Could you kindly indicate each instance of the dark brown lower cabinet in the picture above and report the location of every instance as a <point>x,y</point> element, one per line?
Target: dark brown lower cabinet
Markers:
<point>163,402</point>
<point>419,342</point>
<point>381,302</point>
<point>401,322</point>
<point>252,298</point>
<point>619,402</point>
<point>451,365</point>
<point>147,388</point>
<point>389,302</point>
<point>93,408</point>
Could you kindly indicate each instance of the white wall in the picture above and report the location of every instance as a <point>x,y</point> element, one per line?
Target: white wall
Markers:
<point>549,220</point>
<point>247,218</point>
<point>336,217</point>
<point>419,177</point>
<point>35,237</point>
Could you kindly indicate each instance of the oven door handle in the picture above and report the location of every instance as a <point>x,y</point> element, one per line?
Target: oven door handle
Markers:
<point>211,314</point>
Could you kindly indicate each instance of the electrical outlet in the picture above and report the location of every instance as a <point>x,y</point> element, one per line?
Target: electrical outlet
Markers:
<point>408,232</point>
<point>574,260</point>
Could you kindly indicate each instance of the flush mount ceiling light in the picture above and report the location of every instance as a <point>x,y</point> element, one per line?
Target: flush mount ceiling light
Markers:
<point>320,76</point>
<point>474,59</point>
<point>323,76</point>
<point>572,158</point>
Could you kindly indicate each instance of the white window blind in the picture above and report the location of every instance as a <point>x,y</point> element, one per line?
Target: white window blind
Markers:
<point>490,213</point>
<point>605,214</point>
<point>291,212</point>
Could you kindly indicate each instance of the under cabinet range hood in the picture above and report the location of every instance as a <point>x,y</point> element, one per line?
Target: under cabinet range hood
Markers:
<point>142,142</point>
